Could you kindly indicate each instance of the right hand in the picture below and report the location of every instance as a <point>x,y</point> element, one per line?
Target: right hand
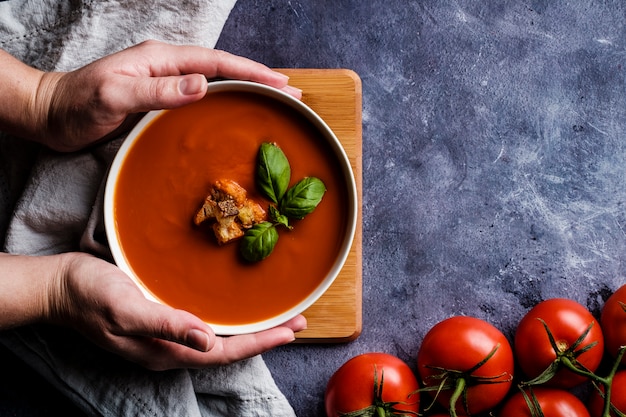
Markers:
<point>71,110</point>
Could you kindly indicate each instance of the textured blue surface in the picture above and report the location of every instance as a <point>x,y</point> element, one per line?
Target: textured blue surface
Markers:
<point>493,152</point>
<point>494,160</point>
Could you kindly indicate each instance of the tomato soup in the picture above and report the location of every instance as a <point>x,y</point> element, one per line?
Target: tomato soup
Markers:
<point>164,179</point>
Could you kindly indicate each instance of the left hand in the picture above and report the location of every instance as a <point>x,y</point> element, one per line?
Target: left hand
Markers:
<point>101,302</point>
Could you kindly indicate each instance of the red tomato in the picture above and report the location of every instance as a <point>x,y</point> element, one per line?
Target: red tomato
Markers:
<point>351,387</point>
<point>618,396</point>
<point>567,321</point>
<point>613,322</point>
<point>553,402</point>
<point>459,344</point>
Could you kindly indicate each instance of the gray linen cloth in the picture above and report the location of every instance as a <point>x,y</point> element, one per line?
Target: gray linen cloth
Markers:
<point>51,202</point>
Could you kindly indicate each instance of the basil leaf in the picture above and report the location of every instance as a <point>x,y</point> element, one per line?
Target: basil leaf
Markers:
<point>279,218</point>
<point>302,198</point>
<point>259,241</point>
<point>273,171</point>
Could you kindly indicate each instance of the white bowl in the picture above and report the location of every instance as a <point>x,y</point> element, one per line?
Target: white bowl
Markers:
<point>349,195</point>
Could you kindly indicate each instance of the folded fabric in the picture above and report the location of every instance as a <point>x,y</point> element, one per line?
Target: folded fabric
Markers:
<point>60,210</point>
<point>102,384</point>
<point>63,34</point>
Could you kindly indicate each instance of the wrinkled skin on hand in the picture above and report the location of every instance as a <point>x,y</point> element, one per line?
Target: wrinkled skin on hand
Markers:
<point>101,302</point>
<point>95,102</point>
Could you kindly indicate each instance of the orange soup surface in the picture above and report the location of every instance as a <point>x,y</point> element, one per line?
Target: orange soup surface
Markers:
<point>165,178</point>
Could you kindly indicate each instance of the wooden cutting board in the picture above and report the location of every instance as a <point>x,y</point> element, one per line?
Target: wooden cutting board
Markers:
<point>335,95</point>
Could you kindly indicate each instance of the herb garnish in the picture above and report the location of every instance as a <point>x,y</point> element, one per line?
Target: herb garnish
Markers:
<point>273,175</point>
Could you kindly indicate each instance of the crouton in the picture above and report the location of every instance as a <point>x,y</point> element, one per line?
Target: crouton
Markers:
<point>230,209</point>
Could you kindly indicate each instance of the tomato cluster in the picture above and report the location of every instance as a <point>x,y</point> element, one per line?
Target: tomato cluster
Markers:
<point>467,367</point>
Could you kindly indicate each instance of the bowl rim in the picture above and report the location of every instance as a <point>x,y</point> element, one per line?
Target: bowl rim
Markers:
<point>346,169</point>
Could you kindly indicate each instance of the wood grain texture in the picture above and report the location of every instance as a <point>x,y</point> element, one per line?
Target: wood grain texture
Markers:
<point>335,95</point>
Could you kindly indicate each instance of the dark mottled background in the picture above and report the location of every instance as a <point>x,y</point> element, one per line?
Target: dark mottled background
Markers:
<point>494,148</point>
<point>494,141</point>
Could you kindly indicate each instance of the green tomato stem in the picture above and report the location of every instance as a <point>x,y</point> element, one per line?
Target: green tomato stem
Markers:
<point>454,398</point>
<point>608,385</point>
<point>606,407</point>
<point>569,365</point>
<point>606,382</point>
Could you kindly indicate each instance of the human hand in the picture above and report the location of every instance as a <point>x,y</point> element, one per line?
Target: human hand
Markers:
<point>77,108</point>
<point>101,302</point>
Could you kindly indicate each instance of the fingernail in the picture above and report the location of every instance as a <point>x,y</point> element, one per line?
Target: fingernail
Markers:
<point>296,92</point>
<point>191,85</point>
<point>283,76</point>
<point>198,340</point>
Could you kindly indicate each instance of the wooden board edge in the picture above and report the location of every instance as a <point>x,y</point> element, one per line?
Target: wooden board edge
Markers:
<point>358,172</point>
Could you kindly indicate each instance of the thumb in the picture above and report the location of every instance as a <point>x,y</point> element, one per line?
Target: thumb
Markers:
<point>155,93</point>
<point>162,322</point>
